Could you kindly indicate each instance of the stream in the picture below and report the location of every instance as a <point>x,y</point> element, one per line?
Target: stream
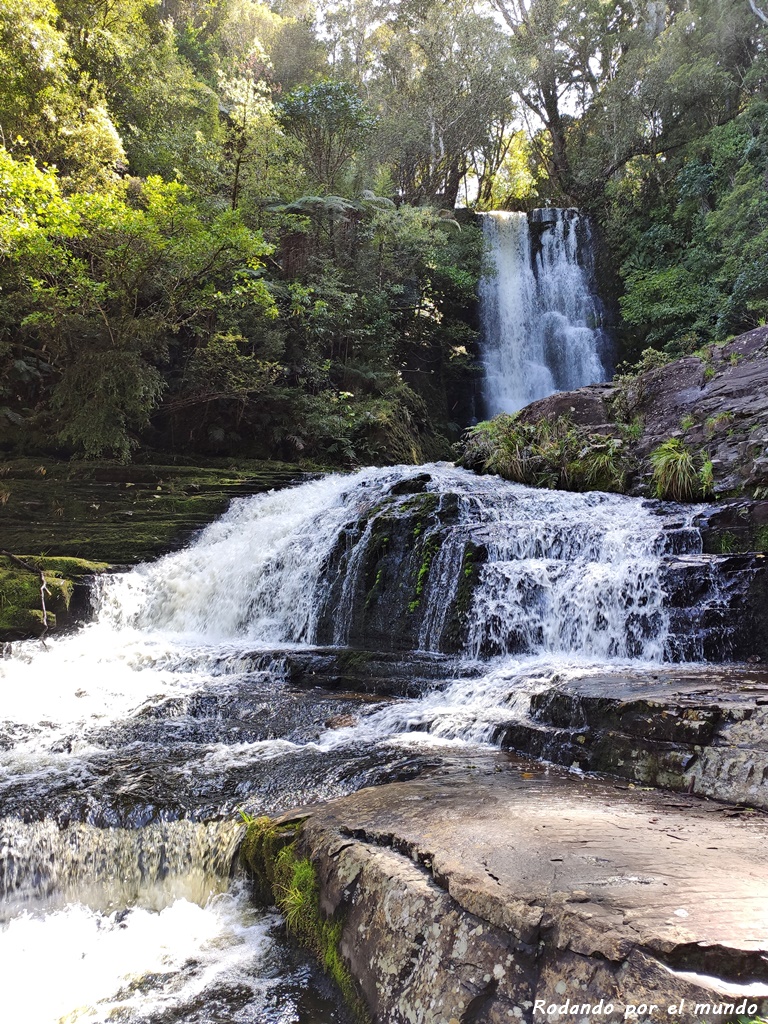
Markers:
<point>128,748</point>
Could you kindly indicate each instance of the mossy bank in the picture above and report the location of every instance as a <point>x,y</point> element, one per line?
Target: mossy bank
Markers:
<point>73,519</point>
<point>285,877</point>
<point>28,610</point>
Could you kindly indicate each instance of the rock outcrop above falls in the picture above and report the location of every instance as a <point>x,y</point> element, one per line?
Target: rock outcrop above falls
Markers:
<point>715,403</point>
<point>501,890</point>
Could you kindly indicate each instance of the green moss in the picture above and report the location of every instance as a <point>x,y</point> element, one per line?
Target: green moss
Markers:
<point>377,548</point>
<point>289,880</point>
<point>471,565</point>
<point>430,549</point>
<point>470,571</point>
<point>761,539</point>
<point>421,505</point>
<point>119,514</point>
<point>21,613</point>
<point>350,660</point>
<point>728,543</point>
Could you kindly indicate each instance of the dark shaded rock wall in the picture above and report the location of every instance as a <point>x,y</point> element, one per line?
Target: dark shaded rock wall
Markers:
<point>716,403</point>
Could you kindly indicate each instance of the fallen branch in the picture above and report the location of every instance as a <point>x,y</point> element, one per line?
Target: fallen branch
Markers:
<point>43,585</point>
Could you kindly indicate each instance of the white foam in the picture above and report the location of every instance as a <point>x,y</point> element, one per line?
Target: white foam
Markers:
<point>90,968</point>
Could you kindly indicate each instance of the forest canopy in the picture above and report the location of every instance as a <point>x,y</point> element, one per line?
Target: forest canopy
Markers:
<point>239,226</point>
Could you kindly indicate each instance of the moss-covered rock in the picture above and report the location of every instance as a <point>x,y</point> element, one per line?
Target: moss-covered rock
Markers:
<point>120,514</point>
<point>381,601</point>
<point>21,600</point>
<point>285,876</point>
<point>473,559</point>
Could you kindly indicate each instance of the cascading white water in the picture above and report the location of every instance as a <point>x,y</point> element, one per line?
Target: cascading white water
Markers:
<point>572,573</point>
<point>540,315</point>
<point>166,707</point>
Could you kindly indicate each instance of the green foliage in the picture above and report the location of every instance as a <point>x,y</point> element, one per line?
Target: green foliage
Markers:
<point>630,381</point>
<point>679,475</point>
<point>691,236</point>
<point>130,275</point>
<point>727,543</point>
<point>331,122</point>
<point>47,109</point>
<point>546,453</point>
<point>706,477</point>
<point>229,226</point>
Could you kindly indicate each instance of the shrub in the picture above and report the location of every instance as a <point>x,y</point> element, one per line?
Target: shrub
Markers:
<point>548,453</point>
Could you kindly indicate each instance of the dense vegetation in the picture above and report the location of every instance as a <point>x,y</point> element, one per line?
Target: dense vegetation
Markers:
<point>228,225</point>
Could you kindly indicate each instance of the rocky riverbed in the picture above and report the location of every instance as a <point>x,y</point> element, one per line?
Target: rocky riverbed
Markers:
<point>432,633</point>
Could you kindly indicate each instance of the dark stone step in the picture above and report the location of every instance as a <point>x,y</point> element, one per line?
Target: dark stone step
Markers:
<point>689,729</point>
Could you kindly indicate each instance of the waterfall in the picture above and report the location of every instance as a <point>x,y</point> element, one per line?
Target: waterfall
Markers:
<point>560,572</point>
<point>150,867</point>
<point>127,748</point>
<point>541,318</point>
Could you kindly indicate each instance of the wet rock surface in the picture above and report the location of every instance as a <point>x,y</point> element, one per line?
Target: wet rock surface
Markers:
<point>239,741</point>
<point>500,889</point>
<point>378,673</point>
<point>699,730</point>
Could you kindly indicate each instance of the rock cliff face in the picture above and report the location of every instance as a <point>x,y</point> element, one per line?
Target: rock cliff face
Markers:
<point>716,403</point>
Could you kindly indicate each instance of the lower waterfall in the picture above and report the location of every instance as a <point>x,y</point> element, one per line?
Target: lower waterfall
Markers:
<point>128,747</point>
<point>541,317</point>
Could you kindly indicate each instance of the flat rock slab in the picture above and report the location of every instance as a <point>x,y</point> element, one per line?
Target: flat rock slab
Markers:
<point>503,890</point>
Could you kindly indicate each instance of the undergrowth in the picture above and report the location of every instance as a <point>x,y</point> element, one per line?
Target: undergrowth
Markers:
<point>548,453</point>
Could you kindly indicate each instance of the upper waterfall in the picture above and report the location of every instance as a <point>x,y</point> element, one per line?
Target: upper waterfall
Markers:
<point>541,318</point>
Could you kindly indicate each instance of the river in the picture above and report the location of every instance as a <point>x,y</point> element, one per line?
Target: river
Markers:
<point>128,748</point>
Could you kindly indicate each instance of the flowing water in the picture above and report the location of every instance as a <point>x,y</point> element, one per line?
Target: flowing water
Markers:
<point>127,748</point>
<point>540,313</point>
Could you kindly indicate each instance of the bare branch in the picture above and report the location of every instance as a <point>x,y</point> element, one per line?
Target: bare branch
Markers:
<point>756,10</point>
<point>43,586</point>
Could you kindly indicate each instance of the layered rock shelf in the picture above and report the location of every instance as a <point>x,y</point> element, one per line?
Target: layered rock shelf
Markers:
<point>699,730</point>
<point>501,889</point>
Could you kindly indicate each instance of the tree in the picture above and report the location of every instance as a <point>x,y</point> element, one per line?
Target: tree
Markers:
<point>613,81</point>
<point>47,108</point>
<point>108,288</point>
<point>445,94</point>
<point>331,123</point>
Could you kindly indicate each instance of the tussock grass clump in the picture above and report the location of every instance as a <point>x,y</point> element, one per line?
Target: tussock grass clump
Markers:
<point>679,474</point>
